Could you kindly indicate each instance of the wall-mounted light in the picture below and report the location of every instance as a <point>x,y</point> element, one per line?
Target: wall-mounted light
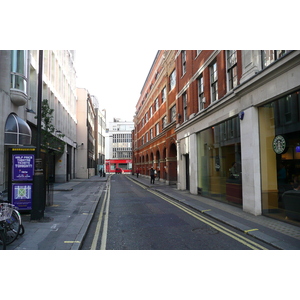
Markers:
<point>77,146</point>
<point>29,110</point>
<point>241,115</point>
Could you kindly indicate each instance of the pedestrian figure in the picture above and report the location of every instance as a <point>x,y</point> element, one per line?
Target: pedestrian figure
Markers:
<point>152,175</point>
<point>100,172</point>
<point>137,173</point>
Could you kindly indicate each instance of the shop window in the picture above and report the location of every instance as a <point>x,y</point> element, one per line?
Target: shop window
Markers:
<point>279,125</point>
<point>219,162</point>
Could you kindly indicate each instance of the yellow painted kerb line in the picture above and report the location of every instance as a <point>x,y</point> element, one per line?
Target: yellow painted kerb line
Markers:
<point>72,242</point>
<point>243,240</point>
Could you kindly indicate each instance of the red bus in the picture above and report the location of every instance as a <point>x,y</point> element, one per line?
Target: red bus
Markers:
<point>113,166</point>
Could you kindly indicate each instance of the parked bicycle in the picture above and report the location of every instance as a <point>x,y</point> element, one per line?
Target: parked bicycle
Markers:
<point>10,223</point>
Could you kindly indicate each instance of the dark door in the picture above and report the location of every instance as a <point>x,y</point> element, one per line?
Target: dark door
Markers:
<point>187,174</point>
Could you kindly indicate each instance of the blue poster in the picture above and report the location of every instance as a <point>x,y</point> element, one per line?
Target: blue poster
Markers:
<point>22,195</point>
<point>22,167</point>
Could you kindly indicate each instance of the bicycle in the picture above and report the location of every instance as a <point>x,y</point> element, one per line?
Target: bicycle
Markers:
<point>12,226</point>
<point>7,233</point>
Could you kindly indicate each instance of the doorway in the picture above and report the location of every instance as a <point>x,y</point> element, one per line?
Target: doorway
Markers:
<point>187,173</point>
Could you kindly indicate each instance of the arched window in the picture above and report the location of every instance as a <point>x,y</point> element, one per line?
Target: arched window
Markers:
<point>17,131</point>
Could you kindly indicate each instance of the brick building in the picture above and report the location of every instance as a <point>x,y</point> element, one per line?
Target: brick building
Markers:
<point>232,120</point>
<point>154,138</point>
<point>233,106</point>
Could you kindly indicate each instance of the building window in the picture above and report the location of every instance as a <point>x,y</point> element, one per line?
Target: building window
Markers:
<point>150,112</point>
<point>172,80</point>
<point>19,68</point>
<point>146,117</point>
<point>231,68</point>
<point>173,113</point>
<point>156,104</point>
<point>184,105</point>
<point>157,128</point>
<point>183,61</point>
<point>214,81</point>
<point>269,56</point>
<point>201,99</point>
<point>163,94</point>
<point>164,122</point>
<point>151,133</point>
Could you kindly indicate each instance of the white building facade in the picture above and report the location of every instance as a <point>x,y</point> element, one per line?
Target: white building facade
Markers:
<point>119,146</point>
<point>18,102</point>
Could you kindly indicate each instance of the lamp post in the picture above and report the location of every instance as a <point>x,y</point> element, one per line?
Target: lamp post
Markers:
<point>38,199</point>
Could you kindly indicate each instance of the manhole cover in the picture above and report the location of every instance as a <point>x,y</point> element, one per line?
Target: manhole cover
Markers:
<point>205,230</point>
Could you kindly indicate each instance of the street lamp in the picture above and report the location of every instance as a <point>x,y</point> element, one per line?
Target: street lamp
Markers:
<point>38,199</point>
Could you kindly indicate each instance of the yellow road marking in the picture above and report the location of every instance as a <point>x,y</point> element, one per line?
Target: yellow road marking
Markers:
<point>228,232</point>
<point>250,230</point>
<point>241,239</point>
<point>99,223</point>
<point>71,242</point>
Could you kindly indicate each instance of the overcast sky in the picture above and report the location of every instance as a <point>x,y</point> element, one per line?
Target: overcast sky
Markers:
<point>115,77</point>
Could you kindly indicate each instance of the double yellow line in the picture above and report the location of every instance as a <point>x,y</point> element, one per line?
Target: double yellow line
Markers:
<point>238,237</point>
<point>106,201</point>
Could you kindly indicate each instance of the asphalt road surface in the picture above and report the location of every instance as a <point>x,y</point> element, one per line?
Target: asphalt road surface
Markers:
<point>133,217</point>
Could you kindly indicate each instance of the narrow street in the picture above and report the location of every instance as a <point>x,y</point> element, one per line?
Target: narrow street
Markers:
<point>142,219</point>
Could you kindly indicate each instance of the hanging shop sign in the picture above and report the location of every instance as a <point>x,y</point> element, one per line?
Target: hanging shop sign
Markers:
<point>279,144</point>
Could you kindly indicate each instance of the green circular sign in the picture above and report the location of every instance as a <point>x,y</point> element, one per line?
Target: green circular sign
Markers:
<point>279,144</point>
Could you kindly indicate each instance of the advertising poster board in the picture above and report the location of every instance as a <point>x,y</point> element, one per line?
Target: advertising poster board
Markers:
<point>22,165</point>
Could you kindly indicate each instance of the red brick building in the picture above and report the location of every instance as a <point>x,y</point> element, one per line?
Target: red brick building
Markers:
<point>154,138</point>
<point>232,118</point>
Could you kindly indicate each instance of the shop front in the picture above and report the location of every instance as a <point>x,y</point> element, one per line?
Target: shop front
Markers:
<point>219,162</point>
<point>279,125</point>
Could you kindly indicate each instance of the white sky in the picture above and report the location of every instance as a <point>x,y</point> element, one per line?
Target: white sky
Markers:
<point>115,77</point>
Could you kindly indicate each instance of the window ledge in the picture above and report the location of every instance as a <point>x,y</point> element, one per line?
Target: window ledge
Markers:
<point>18,97</point>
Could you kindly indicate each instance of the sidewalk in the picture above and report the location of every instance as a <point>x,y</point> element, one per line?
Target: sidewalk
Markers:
<point>66,222</point>
<point>277,233</point>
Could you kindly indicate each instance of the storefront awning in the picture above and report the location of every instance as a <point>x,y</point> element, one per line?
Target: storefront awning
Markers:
<point>17,131</point>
